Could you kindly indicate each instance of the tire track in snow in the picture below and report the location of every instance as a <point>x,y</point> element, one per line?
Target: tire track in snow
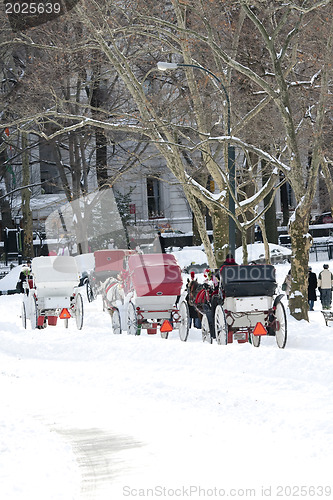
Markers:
<point>99,457</point>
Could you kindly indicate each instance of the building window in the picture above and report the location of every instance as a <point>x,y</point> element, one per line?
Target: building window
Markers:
<point>154,198</point>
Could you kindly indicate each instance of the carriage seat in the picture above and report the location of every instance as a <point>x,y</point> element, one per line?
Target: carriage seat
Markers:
<point>248,281</point>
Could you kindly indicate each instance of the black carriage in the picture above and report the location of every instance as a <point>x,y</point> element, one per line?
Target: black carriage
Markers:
<point>242,307</point>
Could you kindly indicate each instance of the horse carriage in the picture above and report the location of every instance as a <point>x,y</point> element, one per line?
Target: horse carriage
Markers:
<point>108,264</point>
<point>242,306</point>
<point>146,296</point>
<point>52,292</point>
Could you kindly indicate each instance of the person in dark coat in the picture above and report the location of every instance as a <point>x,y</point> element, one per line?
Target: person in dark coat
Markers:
<point>229,261</point>
<point>24,274</point>
<point>312,286</point>
<point>286,285</point>
<point>159,243</point>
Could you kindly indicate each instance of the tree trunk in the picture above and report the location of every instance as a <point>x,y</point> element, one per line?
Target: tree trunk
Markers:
<point>101,159</point>
<point>284,204</point>
<point>201,227</point>
<point>271,222</point>
<point>270,214</point>
<point>266,243</point>
<point>244,246</point>
<point>97,100</point>
<point>5,209</point>
<point>301,242</point>
<point>221,235</point>
<point>28,248</point>
<point>328,180</point>
<point>196,234</point>
<point>6,213</point>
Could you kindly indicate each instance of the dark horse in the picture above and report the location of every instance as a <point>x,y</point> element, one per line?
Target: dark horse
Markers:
<point>202,299</point>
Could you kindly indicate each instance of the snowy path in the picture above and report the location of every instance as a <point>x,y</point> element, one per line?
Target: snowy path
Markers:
<point>96,453</point>
<point>93,415</point>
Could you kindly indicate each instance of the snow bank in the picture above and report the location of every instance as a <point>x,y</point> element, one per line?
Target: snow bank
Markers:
<point>190,255</point>
<point>10,280</point>
<point>257,251</point>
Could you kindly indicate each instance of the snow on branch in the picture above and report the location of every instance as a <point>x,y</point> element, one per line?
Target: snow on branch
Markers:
<point>248,147</point>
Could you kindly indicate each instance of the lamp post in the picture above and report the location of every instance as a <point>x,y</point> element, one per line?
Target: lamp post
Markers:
<point>17,220</point>
<point>164,66</point>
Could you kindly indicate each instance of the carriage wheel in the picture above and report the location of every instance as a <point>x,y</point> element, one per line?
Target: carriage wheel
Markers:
<point>90,292</point>
<point>184,325</point>
<point>79,311</point>
<point>281,332</point>
<point>206,336</point>
<point>116,323</point>
<point>132,320</point>
<point>255,340</point>
<point>24,316</point>
<point>221,326</point>
<point>34,313</point>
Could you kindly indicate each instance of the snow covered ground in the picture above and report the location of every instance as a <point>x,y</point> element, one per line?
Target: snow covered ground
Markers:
<point>89,414</point>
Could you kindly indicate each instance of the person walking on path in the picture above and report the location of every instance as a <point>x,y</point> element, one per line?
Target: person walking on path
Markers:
<point>286,285</point>
<point>325,284</point>
<point>312,286</point>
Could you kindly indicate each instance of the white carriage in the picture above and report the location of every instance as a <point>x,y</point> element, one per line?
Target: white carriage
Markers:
<point>247,308</point>
<point>52,292</point>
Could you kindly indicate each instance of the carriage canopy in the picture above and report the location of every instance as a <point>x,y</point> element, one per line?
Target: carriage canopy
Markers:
<point>155,274</point>
<point>110,260</point>
<point>248,280</point>
<point>52,269</point>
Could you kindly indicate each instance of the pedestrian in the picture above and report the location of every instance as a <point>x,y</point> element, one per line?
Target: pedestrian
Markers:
<point>312,286</point>
<point>24,274</point>
<point>325,284</point>
<point>286,285</point>
<point>258,234</point>
<point>158,244</point>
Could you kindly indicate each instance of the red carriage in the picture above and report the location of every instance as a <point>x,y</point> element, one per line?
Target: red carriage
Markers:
<point>151,286</point>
